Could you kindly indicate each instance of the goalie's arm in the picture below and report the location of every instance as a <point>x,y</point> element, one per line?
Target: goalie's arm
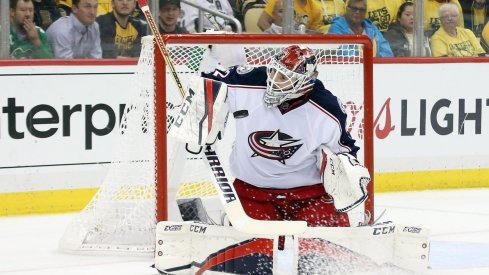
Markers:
<point>342,141</point>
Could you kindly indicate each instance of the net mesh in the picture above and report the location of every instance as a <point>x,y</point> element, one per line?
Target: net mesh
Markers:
<point>121,216</point>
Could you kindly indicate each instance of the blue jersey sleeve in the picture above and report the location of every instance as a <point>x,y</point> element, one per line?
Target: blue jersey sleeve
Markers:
<point>332,104</point>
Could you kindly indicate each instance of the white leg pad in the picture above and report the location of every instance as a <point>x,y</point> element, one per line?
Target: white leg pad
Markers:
<point>190,248</point>
<point>360,249</point>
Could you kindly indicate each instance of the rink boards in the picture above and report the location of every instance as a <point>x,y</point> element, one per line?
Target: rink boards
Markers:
<point>57,124</point>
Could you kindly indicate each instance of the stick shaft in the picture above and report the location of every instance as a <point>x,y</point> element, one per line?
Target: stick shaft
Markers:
<point>143,4</point>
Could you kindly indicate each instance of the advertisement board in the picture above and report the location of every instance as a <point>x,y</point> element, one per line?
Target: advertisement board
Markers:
<point>58,129</point>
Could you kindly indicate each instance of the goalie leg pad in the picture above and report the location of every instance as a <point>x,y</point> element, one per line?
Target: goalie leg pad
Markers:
<point>193,248</point>
<point>344,178</point>
<point>350,250</point>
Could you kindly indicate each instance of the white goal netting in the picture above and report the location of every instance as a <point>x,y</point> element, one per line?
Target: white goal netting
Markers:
<point>121,216</point>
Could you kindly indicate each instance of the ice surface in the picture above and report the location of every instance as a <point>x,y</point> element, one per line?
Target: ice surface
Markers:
<point>458,220</point>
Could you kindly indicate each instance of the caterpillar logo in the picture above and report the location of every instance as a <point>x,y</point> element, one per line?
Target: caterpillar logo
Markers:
<point>26,122</point>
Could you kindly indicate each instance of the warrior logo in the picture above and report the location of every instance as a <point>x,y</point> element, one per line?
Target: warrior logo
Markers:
<point>273,145</point>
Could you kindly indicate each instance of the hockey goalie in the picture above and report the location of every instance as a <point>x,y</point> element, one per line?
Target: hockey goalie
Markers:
<point>293,160</point>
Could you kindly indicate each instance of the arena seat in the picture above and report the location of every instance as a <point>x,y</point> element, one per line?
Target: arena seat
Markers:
<point>251,11</point>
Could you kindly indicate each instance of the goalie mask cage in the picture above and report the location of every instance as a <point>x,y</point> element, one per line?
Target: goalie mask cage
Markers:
<point>149,172</point>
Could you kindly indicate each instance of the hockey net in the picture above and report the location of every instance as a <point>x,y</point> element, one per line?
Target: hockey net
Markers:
<point>141,189</point>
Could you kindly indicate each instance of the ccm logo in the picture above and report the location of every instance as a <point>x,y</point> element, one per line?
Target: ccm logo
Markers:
<point>185,108</point>
<point>384,230</point>
<point>173,228</point>
<point>198,229</point>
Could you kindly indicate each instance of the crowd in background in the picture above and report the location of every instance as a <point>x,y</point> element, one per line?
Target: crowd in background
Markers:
<point>114,28</point>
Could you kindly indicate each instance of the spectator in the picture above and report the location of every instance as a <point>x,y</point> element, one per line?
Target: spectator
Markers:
<point>77,35</point>
<point>431,17</point>
<point>400,34</point>
<point>276,27</point>
<point>354,22</point>
<point>277,18</point>
<point>120,34</point>
<point>138,14</point>
<point>64,7</point>
<point>451,40</point>
<point>485,37</point>
<point>475,14</point>
<point>26,39</point>
<point>190,15</point>
<point>382,13</point>
<point>330,9</point>
<point>45,13</point>
<point>306,12</point>
<point>170,11</point>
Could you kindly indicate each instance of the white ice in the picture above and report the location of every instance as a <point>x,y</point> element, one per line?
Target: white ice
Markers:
<point>458,220</point>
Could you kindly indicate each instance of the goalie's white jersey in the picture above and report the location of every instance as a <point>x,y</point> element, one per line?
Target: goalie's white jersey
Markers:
<point>277,147</point>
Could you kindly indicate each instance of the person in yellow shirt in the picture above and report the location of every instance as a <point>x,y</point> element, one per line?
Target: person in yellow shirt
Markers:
<point>383,12</point>
<point>476,14</point>
<point>432,18</point>
<point>306,12</point>
<point>451,40</point>
<point>485,36</point>
<point>277,15</point>
<point>330,9</point>
<point>120,33</point>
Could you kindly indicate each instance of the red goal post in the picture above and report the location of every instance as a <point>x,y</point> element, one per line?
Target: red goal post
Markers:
<point>361,54</point>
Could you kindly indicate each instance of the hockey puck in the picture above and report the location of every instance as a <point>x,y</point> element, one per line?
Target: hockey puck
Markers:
<point>240,114</point>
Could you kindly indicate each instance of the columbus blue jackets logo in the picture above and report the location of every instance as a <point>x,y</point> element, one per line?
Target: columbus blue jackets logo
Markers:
<point>273,145</point>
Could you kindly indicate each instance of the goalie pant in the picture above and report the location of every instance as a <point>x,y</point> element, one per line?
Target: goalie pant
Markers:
<point>308,203</point>
<point>275,153</point>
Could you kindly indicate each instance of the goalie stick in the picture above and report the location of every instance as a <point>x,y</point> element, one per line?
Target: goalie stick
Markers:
<point>143,4</point>
<point>227,194</point>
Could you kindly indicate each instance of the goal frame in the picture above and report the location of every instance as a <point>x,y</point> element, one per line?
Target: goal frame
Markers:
<point>160,75</point>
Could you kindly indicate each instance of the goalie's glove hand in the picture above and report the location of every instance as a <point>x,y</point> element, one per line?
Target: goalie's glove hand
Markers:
<point>344,178</point>
<point>222,57</point>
